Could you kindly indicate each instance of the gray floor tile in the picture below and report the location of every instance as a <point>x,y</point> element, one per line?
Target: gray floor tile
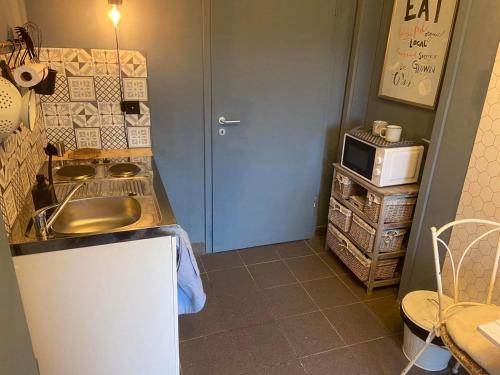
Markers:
<point>207,321</point>
<point>215,354</point>
<point>317,243</point>
<point>310,333</point>
<point>293,249</point>
<point>287,300</point>
<point>221,261</point>
<point>339,361</point>
<point>271,274</point>
<point>359,288</point>
<point>308,268</point>
<point>355,323</point>
<point>334,263</point>
<point>382,356</point>
<point>387,310</point>
<point>329,292</point>
<point>259,254</point>
<point>291,368</point>
<point>238,311</point>
<point>235,281</point>
<point>266,344</point>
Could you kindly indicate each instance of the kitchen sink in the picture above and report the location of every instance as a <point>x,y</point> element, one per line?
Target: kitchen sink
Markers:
<point>95,215</point>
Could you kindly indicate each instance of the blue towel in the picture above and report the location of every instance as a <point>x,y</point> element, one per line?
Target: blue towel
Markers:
<point>190,293</point>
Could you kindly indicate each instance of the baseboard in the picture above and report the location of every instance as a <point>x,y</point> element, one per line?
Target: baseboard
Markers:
<point>199,247</point>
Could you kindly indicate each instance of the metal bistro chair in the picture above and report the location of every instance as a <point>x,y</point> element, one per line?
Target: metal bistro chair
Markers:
<point>458,322</point>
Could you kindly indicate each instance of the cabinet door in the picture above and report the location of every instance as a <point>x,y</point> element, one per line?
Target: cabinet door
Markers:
<point>109,309</point>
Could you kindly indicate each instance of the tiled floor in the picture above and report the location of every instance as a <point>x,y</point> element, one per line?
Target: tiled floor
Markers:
<point>290,309</point>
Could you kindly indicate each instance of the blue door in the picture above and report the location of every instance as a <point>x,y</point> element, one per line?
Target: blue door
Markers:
<point>272,82</point>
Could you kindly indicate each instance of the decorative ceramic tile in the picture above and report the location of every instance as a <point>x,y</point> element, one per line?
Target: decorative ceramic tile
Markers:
<point>481,200</point>
<point>61,92</point>
<point>23,150</point>
<point>67,135</point>
<point>133,64</point>
<point>113,138</point>
<point>105,62</point>
<point>54,59</point>
<point>78,62</point>
<point>81,89</point>
<point>107,88</point>
<point>57,114</point>
<point>111,114</point>
<point>88,137</point>
<point>138,120</point>
<point>7,172</point>
<point>85,114</point>
<point>139,137</point>
<point>18,190</point>
<point>135,89</point>
<point>25,177</point>
<point>8,207</point>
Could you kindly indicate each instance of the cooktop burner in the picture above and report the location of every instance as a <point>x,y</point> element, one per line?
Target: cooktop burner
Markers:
<point>76,172</point>
<point>124,170</point>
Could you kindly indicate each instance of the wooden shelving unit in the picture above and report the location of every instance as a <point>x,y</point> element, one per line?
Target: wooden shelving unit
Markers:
<point>385,194</point>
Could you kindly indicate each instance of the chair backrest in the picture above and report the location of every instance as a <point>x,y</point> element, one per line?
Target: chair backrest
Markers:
<point>491,229</point>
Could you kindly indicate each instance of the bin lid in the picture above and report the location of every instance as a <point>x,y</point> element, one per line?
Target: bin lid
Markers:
<point>422,307</point>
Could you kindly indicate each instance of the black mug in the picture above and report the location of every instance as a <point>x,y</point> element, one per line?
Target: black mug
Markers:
<point>48,85</point>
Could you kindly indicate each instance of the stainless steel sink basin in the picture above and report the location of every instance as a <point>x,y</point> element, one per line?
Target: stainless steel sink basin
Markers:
<point>94,215</point>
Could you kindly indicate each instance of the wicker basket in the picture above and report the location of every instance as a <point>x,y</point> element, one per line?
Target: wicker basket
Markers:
<point>355,260</point>
<point>359,201</point>
<point>346,187</point>
<point>392,240</point>
<point>339,215</point>
<point>362,234</point>
<point>397,210</point>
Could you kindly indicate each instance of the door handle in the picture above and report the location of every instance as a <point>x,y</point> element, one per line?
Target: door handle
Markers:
<point>224,121</point>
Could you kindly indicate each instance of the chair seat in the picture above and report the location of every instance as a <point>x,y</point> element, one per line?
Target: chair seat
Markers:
<point>462,328</point>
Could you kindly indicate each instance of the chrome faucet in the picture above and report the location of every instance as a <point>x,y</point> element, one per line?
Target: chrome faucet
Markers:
<point>42,225</point>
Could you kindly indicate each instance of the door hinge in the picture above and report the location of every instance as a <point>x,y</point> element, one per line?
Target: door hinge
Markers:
<point>315,202</point>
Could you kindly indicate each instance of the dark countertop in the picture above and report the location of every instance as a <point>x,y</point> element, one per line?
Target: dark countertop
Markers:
<point>21,245</point>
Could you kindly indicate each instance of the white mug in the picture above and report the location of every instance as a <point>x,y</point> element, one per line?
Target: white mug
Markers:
<point>392,133</point>
<point>378,125</point>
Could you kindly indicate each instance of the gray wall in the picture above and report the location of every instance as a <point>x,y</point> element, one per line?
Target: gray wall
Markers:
<point>362,105</point>
<point>170,32</point>
<point>16,353</point>
<point>470,62</point>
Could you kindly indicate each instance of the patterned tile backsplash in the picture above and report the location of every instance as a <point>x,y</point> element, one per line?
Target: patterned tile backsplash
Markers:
<point>85,109</point>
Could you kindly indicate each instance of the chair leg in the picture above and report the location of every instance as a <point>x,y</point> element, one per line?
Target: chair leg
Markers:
<point>429,339</point>
<point>455,368</point>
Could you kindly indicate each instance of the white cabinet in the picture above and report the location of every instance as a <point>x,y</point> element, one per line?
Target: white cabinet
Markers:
<point>103,310</point>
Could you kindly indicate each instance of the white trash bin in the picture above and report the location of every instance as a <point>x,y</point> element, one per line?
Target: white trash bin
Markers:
<point>420,310</point>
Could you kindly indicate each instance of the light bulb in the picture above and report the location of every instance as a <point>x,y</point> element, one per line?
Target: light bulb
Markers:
<point>114,15</point>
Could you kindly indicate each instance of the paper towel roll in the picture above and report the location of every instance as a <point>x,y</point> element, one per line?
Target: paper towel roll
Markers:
<point>30,75</point>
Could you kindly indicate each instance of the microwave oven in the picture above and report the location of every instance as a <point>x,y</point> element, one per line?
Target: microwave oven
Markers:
<point>381,166</point>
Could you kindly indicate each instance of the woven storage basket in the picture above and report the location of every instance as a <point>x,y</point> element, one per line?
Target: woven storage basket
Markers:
<point>346,187</point>
<point>362,234</point>
<point>339,215</point>
<point>392,240</point>
<point>397,210</point>
<point>355,260</point>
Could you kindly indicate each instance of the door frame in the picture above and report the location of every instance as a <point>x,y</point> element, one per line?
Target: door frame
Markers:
<point>207,119</point>
<point>207,7</point>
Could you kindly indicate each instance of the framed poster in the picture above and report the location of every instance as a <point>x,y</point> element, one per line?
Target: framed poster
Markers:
<point>416,51</point>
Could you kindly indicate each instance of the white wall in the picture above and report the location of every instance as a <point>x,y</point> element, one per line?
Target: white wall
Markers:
<point>480,199</point>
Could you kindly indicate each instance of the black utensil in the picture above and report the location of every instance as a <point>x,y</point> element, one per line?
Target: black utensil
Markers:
<point>51,151</point>
<point>30,47</point>
<point>48,85</point>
